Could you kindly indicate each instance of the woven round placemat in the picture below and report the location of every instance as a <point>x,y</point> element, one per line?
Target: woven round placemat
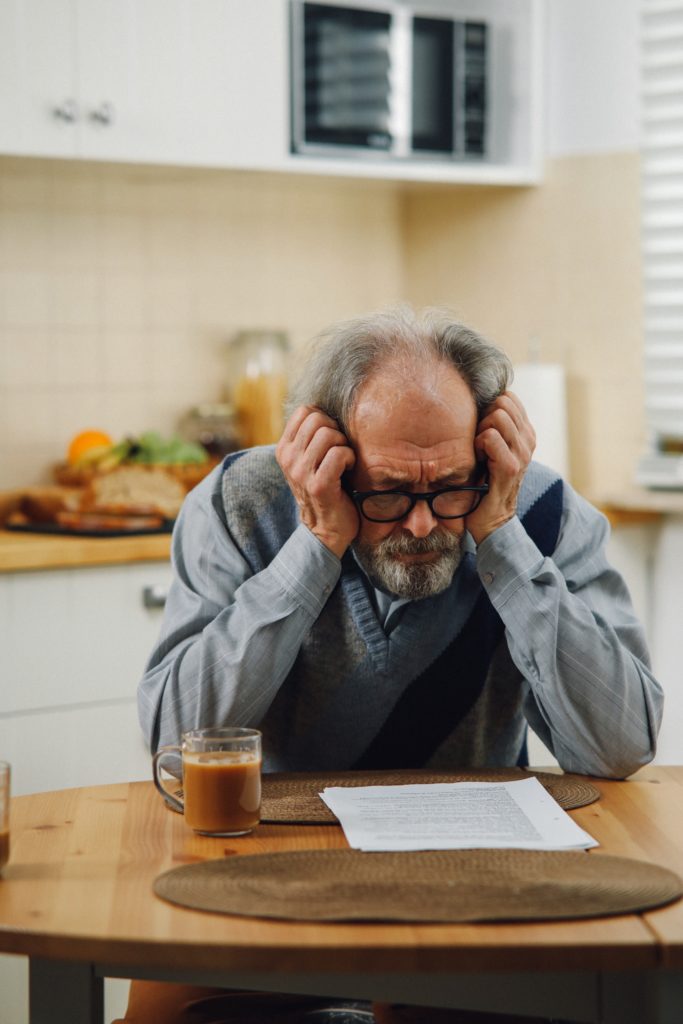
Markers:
<point>292,797</point>
<point>450,885</point>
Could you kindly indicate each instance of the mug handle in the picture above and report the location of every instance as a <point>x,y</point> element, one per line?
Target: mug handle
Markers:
<point>171,799</point>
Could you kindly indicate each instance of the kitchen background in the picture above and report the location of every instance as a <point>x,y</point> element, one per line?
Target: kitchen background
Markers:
<point>122,283</point>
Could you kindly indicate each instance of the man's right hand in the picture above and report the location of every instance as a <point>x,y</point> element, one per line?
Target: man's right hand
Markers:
<point>313,454</point>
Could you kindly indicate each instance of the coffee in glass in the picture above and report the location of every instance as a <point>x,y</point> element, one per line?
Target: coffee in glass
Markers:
<point>221,771</point>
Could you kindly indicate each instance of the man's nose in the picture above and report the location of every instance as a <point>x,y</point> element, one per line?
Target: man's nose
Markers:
<point>420,521</point>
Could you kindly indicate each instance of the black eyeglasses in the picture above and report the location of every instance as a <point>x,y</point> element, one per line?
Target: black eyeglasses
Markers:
<point>448,503</point>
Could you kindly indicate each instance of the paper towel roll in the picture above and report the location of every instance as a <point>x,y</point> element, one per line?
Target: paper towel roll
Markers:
<point>542,389</point>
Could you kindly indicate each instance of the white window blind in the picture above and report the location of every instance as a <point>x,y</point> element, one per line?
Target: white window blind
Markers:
<point>662,214</point>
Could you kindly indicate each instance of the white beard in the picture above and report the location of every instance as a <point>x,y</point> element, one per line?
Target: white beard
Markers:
<point>415,580</point>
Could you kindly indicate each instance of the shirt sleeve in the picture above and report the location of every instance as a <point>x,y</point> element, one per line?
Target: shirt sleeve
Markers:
<point>229,638</point>
<point>573,634</point>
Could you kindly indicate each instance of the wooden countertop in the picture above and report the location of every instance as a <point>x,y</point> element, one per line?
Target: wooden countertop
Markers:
<point>26,551</point>
<point>637,506</point>
<point>23,551</point>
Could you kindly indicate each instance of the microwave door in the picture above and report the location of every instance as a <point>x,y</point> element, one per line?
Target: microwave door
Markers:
<point>342,90</point>
<point>449,87</point>
<point>433,77</point>
<point>387,82</point>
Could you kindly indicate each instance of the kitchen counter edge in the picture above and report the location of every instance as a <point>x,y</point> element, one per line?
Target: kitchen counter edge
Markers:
<point>20,552</point>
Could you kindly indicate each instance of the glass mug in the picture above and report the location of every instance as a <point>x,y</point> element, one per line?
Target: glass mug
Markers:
<point>4,813</point>
<point>221,794</point>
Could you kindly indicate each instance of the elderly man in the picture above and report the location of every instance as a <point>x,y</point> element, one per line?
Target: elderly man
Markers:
<point>397,584</point>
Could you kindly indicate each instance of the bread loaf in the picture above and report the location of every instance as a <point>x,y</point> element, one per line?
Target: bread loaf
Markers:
<point>41,504</point>
<point>136,490</point>
<point>125,498</point>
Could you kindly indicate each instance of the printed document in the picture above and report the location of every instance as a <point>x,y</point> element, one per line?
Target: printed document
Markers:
<point>455,816</point>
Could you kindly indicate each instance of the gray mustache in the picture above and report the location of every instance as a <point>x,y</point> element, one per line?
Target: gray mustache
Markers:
<point>406,544</point>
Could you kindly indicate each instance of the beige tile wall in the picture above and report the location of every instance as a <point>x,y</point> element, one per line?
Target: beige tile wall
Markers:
<point>557,269</point>
<point>120,286</point>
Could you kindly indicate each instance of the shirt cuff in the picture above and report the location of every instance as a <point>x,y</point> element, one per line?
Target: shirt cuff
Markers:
<point>506,560</point>
<point>307,569</point>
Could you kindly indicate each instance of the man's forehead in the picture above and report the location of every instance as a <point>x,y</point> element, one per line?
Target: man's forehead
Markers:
<point>395,464</point>
<point>413,408</point>
<point>413,425</point>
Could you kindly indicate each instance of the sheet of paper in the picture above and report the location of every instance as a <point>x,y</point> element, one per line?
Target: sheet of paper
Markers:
<point>455,816</point>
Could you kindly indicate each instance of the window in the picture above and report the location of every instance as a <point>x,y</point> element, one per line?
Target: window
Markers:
<point>662,219</point>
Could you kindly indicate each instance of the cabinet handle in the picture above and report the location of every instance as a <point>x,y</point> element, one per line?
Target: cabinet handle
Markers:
<point>104,114</point>
<point>154,596</point>
<point>66,111</point>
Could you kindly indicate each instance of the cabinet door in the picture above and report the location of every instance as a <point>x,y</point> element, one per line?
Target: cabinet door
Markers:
<point>75,636</point>
<point>39,109</point>
<point>79,746</point>
<point>172,81</point>
<point>234,102</point>
<point>129,79</point>
<point>73,645</point>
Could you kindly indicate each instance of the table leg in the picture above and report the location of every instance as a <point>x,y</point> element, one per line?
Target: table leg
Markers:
<point>650,998</point>
<point>62,992</point>
<point>670,997</point>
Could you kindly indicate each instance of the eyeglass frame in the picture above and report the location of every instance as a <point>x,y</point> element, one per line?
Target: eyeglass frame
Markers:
<point>429,496</point>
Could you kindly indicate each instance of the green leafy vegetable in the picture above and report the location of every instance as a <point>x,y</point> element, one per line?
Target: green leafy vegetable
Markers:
<point>151,447</point>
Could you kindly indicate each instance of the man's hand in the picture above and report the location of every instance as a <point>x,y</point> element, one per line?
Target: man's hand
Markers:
<point>313,453</point>
<point>505,442</point>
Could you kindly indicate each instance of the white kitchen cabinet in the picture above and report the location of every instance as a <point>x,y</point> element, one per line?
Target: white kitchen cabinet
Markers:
<point>143,81</point>
<point>180,80</point>
<point>73,644</point>
<point>206,83</point>
<point>235,100</point>
<point>38,87</point>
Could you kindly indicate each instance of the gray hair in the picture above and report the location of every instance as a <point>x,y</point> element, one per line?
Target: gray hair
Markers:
<point>346,356</point>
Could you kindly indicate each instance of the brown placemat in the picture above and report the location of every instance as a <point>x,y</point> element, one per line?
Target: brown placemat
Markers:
<point>450,885</point>
<point>292,797</point>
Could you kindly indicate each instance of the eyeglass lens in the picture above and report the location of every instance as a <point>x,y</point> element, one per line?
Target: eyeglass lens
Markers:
<point>449,504</point>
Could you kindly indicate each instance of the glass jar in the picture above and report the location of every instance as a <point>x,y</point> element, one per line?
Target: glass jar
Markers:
<point>258,384</point>
<point>213,425</point>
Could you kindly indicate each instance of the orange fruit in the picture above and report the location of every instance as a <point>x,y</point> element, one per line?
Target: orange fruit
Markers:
<point>85,442</point>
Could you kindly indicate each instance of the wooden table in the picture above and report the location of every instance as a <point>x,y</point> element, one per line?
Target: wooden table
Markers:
<point>77,899</point>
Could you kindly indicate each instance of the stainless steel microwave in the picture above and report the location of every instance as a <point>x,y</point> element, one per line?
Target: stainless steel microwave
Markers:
<point>388,81</point>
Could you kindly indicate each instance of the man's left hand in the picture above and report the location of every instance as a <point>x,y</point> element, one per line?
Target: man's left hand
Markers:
<point>504,442</point>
